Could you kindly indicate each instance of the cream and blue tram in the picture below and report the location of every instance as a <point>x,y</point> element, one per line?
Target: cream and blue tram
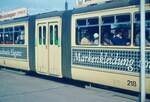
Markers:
<point>17,43</point>
<point>105,41</point>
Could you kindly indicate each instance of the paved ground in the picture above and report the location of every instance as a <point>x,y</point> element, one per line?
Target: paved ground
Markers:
<point>18,87</point>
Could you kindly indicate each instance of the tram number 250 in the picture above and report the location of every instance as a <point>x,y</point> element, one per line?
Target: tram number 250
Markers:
<point>131,83</point>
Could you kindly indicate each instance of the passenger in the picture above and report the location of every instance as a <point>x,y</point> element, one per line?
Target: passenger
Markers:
<point>107,39</point>
<point>147,40</point>
<point>20,38</point>
<point>96,38</point>
<point>118,39</point>
<point>86,40</point>
<point>137,39</point>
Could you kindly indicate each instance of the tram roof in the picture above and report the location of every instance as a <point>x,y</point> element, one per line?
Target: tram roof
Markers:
<point>21,19</point>
<point>107,5</point>
<point>49,14</point>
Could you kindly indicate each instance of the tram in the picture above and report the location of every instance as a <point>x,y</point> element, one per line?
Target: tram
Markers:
<point>17,43</point>
<point>110,54</point>
<point>97,44</point>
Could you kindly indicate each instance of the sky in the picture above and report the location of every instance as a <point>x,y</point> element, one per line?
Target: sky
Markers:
<point>35,6</point>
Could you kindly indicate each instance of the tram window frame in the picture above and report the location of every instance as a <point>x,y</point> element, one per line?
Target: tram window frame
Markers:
<point>117,21</point>
<point>44,35</point>
<point>82,35</point>
<point>110,16</point>
<point>51,31</point>
<point>40,34</point>
<point>136,22</point>
<point>56,35</point>
<point>1,36</point>
<point>82,22</point>
<point>19,34</point>
<point>8,35</point>
<point>114,28</point>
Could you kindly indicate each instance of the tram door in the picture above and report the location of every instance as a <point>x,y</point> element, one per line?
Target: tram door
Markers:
<point>42,49</point>
<point>54,49</point>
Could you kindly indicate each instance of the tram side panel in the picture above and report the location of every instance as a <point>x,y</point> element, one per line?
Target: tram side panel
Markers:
<point>116,66</point>
<point>15,54</point>
<point>66,45</point>
<point>49,44</point>
<point>31,43</point>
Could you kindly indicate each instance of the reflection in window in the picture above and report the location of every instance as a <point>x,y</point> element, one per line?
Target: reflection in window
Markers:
<point>44,35</point>
<point>137,29</point>
<point>56,34</point>
<point>89,33</point>
<point>109,19</point>
<point>51,35</point>
<point>117,34</point>
<point>1,36</point>
<point>19,35</point>
<point>123,18</point>
<point>8,35</point>
<point>40,35</point>
<point>81,22</point>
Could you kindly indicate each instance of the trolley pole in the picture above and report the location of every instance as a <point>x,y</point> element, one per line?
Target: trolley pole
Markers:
<point>142,78</point>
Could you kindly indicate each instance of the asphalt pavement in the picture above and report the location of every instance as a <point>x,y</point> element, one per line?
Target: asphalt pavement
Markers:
<point>16,86</point>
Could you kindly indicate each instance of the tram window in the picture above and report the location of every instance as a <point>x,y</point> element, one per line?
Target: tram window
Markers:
<point>51,35</point>
<point>81,22</point>
<point>116,34</point>
<point>56,35</point>
<point>87,35</point>
<point>147,16</point>
<point>109,19</point>
<point>1,36</point>
<point>44,35</point>
<point>19,35</point>
<point>136,37</point>
<point>92,21</point>
<point>123,18</point>
<point>137,16</point>
<point>40,35</point>
<point>8,35</point>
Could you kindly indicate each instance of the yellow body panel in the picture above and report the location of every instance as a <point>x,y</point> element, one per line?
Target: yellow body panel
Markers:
<point>48,57</point>
<point>14,62</point>
<point>118,80</point>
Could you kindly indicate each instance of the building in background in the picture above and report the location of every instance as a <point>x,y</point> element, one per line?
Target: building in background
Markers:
<point>84,3</point>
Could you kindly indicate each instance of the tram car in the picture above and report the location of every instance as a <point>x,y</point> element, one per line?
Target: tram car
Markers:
<point>98,44</point>
<point>105,43</point>
<point>17,43</point>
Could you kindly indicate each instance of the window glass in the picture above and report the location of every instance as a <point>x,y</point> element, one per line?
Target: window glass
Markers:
<point>147,16</point>
<point>116,34</point>
<point>81,22</point>
<point>109,19</point>
<point>1,36</point>
<point>40,35</point>
<point>19,35</point>
<point>51,35</point>
<point>137,16</point>
<point>87,35</point>
<point>123,18</point>
<point>56,34</point>
<point>8,35</point>
<point>136,37</point>
<point>92,21</point>
<point>44,35</point>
